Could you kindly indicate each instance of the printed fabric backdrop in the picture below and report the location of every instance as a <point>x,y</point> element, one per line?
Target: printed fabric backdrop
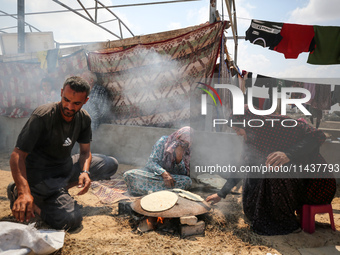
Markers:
<point>20,91</point>
<point>152,82</point>
<point>19,88</point>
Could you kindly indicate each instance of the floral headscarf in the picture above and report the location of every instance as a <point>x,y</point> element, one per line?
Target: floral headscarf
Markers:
<point>179,138</point>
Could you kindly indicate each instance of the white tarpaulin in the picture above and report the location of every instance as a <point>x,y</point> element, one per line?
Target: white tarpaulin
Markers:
<point>16,238</point>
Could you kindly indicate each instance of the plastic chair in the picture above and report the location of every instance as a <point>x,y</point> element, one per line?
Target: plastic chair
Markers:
<point>308,216</point>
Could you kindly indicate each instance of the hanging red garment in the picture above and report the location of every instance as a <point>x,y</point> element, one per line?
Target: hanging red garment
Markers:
<point>295,39</point>
<point>261,102</point>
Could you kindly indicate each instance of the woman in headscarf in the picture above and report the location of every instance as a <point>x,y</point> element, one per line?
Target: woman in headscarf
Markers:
<point>167,167</point>
<point>270,203</point>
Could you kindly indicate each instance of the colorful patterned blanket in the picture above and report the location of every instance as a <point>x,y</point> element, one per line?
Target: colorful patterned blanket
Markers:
<point>110,191</point>
<point>152,83</point>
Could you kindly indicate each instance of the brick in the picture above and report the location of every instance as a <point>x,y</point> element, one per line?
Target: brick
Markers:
<point>193,230</point>
<point>189,220</point>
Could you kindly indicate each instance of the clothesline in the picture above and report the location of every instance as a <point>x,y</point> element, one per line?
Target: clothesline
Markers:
<point>236,17</point>
<point>322,42</point>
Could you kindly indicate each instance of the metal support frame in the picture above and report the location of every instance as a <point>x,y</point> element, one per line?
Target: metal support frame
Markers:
<point>110,6</point>
<point>233,23</point>
<point>91,18</point>
<point>21,26</point>
<point>212,11</point>
<point>94,20</point>
<point>99,6</point>
<point>214,16</point>
<point>2,30</point>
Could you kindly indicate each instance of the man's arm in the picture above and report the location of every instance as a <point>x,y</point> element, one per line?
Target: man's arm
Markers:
<point>85,158</point>
<point>23,206</point>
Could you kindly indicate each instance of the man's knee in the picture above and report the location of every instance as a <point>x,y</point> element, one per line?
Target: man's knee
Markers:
<point>112,164</point>
<point>61,211</point>
<point>65,220</point>
<point>103,167</point>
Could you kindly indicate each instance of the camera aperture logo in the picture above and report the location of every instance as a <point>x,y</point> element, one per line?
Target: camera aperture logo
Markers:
<point>204,97</point>
<point>238,104</point>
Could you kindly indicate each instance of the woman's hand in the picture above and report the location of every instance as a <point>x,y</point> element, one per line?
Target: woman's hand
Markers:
<point>168,180</point>
<point>214,198</point>
<point>277,158</point>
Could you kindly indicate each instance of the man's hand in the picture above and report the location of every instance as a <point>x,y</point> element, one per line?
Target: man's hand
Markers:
<point>277,158</point>
<point>214,198</point>
<point>84,182</point>
<point>168,180</point>
<point>23,208</point>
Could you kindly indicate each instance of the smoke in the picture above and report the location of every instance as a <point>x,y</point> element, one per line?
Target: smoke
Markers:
<point>152,90</point>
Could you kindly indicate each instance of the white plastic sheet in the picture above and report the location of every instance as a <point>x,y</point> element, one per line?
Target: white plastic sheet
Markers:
<point>16,238</point>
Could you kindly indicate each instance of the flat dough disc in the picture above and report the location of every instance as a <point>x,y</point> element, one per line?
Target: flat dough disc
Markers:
<point>159,201</point>
<point>189,195</point>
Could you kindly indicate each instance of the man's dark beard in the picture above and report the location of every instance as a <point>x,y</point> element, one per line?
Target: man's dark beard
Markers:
<point>73,112</point>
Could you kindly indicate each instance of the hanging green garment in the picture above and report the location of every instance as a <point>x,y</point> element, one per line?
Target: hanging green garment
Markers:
<point>327,49</point>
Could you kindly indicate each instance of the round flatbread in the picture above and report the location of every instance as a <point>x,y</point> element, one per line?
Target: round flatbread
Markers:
<point>189,195</point>
<point>159,201</point>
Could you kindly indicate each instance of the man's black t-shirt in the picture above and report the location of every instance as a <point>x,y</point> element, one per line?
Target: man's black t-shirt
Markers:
<point>49,140</point>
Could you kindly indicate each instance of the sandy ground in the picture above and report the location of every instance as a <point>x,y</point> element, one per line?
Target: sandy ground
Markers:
<point>227,232</point>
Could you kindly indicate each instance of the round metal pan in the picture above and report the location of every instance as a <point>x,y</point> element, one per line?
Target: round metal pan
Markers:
<point>183,207</point>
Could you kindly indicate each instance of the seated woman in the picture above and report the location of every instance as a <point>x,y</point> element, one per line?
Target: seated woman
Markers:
<point>167,167</point>
<point>270,203</point>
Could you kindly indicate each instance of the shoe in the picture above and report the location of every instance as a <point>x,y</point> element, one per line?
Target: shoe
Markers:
<point>12,193</point>
<point>298,230</point>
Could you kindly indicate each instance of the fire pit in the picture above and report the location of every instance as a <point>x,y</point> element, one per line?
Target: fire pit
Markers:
<point>179,218</point>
